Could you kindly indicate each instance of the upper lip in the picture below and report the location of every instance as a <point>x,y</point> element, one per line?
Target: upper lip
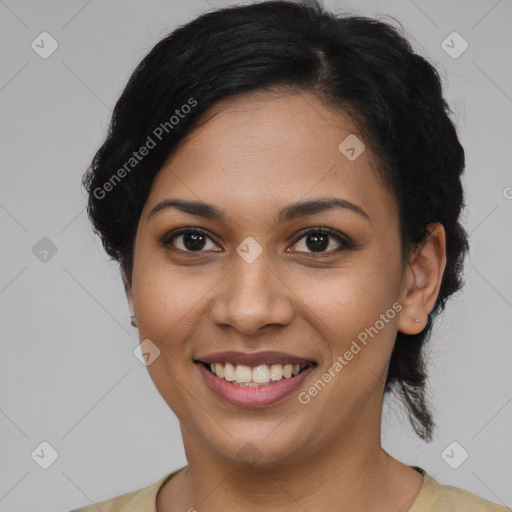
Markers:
<point>254,358</point>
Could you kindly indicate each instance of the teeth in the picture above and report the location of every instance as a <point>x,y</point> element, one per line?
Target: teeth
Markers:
<point>259,375</point>
<point>219,371</point>
<point>242,373</point>
<point>276,372</point>
<point>229,372</point>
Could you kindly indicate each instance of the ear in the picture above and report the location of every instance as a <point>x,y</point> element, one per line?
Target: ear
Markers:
<point>422,280</point>
<point>129,294</point>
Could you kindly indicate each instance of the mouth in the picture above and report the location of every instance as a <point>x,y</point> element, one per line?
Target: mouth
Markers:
<point>254,380</point>
<point>257,376</point>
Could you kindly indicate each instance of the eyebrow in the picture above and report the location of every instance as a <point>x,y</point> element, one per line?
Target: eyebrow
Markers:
<point>290,212</point>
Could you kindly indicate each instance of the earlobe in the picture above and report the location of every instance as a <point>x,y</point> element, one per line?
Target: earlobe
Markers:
<point>422,281</point>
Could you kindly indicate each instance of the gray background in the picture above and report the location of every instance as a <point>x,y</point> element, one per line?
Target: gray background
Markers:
<point>68,375</point>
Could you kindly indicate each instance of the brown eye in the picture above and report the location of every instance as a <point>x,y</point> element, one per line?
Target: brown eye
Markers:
<point>320,240</point>
<point>189,240</point>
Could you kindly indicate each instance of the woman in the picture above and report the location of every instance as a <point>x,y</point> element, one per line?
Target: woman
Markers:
<point>281,188</point>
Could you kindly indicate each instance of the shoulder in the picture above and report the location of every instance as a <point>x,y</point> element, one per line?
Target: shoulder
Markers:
<point>437,497</point>
<point>141,500</point>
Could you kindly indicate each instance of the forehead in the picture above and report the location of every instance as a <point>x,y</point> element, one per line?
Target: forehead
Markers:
<point>257,151</point>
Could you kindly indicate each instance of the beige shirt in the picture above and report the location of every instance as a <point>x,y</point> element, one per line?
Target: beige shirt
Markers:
<point>433,497</point>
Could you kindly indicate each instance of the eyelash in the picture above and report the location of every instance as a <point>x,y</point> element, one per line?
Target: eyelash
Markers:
<point>345,242</point>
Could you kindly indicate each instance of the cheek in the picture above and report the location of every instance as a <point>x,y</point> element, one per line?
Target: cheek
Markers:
<point>166,297</point>
<point>349,298</point>
<point>167,303</point>
<point>352,309</point>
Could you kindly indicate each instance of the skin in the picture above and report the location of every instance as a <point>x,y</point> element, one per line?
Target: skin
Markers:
<point>254,155</point>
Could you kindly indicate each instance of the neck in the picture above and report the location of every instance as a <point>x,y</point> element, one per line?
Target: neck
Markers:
<point>352,473</point>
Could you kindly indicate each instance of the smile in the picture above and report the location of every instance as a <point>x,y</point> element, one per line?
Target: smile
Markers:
<point>254,386</point>
<point>258,376</point>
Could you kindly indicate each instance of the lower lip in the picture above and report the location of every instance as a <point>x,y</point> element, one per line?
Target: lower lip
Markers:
<point>245,396</point>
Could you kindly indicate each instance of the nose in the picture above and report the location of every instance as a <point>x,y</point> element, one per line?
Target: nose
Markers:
<point>251,297</point>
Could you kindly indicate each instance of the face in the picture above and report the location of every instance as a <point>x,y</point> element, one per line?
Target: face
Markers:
<point>309,286</point>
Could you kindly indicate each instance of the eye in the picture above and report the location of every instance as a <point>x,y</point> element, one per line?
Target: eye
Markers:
<point>189,240</point>
<point>318,240</point>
